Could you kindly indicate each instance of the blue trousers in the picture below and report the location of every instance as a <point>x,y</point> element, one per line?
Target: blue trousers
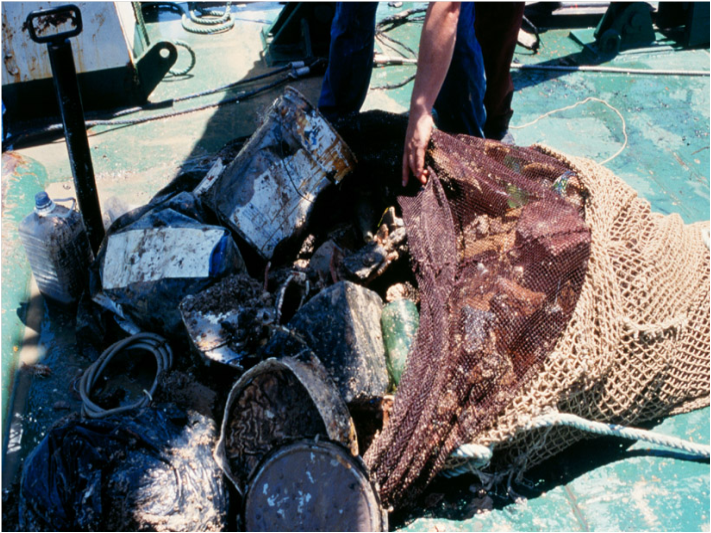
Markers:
<point>460,104</point>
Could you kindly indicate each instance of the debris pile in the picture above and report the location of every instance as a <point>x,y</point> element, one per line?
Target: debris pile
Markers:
<point>318,318</point>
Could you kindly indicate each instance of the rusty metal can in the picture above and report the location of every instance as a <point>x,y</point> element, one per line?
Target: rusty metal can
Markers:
<point>277,402</point>
<point>266,194</point>
<point>312,486</point>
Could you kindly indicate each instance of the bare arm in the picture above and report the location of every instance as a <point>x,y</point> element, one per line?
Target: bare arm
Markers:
<point>439,34</point>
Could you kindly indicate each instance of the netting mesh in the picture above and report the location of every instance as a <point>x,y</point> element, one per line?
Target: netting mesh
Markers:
<point>637,345</point>
<point>500,250</point>
<point>544,283</point>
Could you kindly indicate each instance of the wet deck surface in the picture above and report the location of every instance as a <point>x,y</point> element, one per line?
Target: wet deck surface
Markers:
<point>602,484</point>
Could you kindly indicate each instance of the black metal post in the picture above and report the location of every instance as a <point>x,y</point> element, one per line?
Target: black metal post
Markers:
<point>61,59</point>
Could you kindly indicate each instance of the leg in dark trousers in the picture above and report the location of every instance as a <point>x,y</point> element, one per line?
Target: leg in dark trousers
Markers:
<point>350,59</point>
<point>497,25</point>
<point>460,103</point>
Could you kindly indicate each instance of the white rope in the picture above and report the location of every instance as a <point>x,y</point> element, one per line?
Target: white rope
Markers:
<point>478,456</point>
<point>588,99</point>
<point>701,451</point>
<point>616,70</point>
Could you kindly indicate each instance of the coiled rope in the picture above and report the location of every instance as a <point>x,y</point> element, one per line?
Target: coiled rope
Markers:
<point>477,456</point>
<point>149,342</point>
<point>187,69</point>
<point>213,21</point>
<point>143,33</point>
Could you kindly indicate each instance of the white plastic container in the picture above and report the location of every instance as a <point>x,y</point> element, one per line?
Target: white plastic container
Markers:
<point>57,248</point>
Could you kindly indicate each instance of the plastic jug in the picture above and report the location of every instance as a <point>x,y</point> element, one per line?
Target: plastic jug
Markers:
<point>57,248</point>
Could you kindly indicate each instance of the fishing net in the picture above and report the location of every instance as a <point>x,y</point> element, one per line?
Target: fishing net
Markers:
<point>545,283</point>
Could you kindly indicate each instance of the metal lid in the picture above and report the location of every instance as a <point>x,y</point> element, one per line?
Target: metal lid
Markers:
<point>312,486</point>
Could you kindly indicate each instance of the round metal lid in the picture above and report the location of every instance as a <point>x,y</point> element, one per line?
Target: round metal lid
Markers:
<point>312,486</point>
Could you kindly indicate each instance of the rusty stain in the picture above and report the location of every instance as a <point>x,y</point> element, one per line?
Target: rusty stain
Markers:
<point>10,63</point>
<point>43,23</point>
<point>10,162</point>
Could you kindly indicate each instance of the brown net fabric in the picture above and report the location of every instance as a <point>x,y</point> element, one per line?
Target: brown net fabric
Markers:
<point>637,345</point>
<point>500,250</point>
<point>526,311</point>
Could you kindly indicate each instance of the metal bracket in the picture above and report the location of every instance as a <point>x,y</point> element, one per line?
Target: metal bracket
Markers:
<point>154,64</point>
<point>625,24</point>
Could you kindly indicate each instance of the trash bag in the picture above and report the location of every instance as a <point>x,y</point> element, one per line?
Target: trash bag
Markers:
<point>155,256</point>
<point>153,470</point>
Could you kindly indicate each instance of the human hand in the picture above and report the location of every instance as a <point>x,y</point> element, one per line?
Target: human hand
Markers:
<point>419,131</point>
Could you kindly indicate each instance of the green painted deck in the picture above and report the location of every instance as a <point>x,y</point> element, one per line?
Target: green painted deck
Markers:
<point>598,485</point>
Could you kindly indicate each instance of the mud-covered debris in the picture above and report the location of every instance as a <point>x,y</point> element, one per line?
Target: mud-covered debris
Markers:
<point>36,369</point>
<point>229,321</point>
<point>222,297</point>
<point>153,257</point>
<point>274,403</point>
<point>313,486</point>
<point>366,217</point>
<point>187,393</point>
<point>403,291</point>
<point>291,296</point>
<point>150,471</point>
<point>61,406</point>
<point>370,417</point>
<point>322,260</point>
<point>267,193</point>
<point>371,261</point>
<point>307,247</point>
<point>342,326</point>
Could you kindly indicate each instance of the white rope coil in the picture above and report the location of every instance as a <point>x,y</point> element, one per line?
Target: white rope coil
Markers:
<point>576,104</point>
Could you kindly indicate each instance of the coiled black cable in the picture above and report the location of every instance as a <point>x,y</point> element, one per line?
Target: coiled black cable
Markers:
<point>150,342</point>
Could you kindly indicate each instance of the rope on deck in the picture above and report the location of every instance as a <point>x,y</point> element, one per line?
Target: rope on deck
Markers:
<point>212,21</point>
<point>618,70</point>
<point>701,451</point>
<point>576,104</point>
<point>184,71</point>
<point>478,456</point>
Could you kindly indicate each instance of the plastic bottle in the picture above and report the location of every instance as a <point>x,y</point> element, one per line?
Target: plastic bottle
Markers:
<point>57,248</point>
<point>400,321</point>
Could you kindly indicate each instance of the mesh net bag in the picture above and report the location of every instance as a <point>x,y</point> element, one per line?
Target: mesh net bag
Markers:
<point>545,284</point>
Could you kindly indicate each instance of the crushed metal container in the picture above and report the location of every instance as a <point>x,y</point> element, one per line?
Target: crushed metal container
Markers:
<point>274,403</point>
<point>229,321</point>
<point>312,486</point>
<point>341,324</point>
<point>266,194</point>
<point>153,258</point>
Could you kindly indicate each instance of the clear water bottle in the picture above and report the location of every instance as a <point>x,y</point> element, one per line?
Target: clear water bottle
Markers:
<point>57,248</point>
